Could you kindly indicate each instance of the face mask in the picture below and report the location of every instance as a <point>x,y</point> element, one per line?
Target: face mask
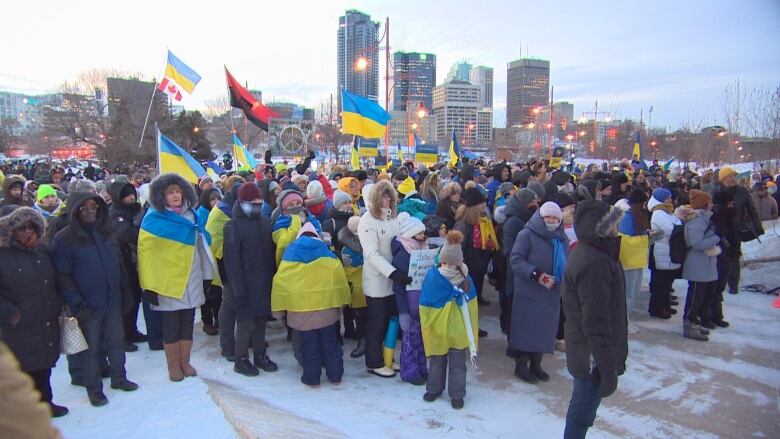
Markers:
<point>295,210</point>
<point>552,227</point>
<point>250,209</point>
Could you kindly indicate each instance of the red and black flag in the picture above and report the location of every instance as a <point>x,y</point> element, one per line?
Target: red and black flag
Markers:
<point>256,112</point>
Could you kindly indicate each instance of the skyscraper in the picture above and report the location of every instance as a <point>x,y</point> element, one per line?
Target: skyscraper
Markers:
<point>414,76</point>
<point>459,72</point>
<point>527,87</point>
<point>358,55</point>
<point>483,77</point>
<point>456,106</point>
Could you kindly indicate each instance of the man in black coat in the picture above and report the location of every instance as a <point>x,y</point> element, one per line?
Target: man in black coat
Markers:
<point>29,304</point>
<point>250,264</point>
<point>594,301</point>
<point>86,258</point>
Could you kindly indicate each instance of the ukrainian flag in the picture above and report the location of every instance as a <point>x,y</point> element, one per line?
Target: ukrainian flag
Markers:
<point>309,278</point>
<point>214,170</point>
<point>246,161</point>
<point>637,153</point>
<point>172,158</point>
<point>355,159</point>
<point>363,117</point>
<point>180,73</point>
<point>454,151</point>
<point>444,311</point>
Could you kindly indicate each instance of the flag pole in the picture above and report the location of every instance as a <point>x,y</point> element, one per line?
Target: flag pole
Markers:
<point>157,139</point>
<point>149,110</point>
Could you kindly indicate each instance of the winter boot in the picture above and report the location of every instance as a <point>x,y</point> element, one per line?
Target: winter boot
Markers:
<point>721,323</point>
<point>457,404</point>
<point>692,331</point>
<point>360,349</point>
<point>430,397</point>
<point>244,367</point>
<point>263,362</point>
<point>536,367</point>
<point>57,411</point>
<point>185,347</point>
<point>173,356</point>
<point>522,372</point>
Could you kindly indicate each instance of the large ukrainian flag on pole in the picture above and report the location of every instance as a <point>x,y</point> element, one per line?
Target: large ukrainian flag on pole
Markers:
<point>246,161</point>
<point>454,151</point>
<point>363,117</point>
<point>637,153</point>
<point>181,74</point>
<point>355,158</point>
<point>172,158</point>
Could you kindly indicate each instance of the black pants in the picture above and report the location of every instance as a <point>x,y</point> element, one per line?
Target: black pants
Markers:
<point>42,381</point>
<point>209,311</point>
<point>177,325</point>
<point>227,320</point>
<point>561,321</point>
<point>505,318</point>
<point>130,318</point>
<point>250,330</point>
<point>479,282</point>
<point>380,310</point>
<point>661,283</point>
<point>355,322</point>
<point>699,298</point>
<point>725,269</point>
<point>734,272</point>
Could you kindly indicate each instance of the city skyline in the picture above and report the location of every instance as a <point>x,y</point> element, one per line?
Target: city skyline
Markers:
<point>676,57</point>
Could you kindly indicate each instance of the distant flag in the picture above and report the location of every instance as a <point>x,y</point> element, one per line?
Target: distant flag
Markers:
<point>172,158</point>
<point>246,162</point>
<point>363,117</point>
<point>400,153</point>
<point>256,112</point>
<point>178,76</point>
<point>454,151</point>
<point>637,154</point>
<point>417,141</point>
<point>355,160</point>
<point>668,163</point>
<point>214,170</point>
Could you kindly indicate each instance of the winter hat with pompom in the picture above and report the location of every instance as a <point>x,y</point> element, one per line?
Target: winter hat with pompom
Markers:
<point>451,253</point>
<point>410,226</point>
<point>352,223</point>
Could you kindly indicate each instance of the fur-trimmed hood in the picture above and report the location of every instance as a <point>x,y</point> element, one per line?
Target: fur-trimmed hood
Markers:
<point>10,181</point>
<point>375,199</point>
<point>15,219</point>
<point>593,221</point>
<point>161,182</point>
<point>349,239</point>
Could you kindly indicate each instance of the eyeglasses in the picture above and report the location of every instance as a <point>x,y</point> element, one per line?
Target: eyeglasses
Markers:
<point>25,227</point>
<point>89,207</point>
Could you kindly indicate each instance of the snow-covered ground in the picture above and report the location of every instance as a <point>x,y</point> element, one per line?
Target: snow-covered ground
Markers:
<point>674,387</point>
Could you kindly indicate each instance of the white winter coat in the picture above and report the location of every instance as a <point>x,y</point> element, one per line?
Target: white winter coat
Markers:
<point>375,237</point>
<point>664,221</point>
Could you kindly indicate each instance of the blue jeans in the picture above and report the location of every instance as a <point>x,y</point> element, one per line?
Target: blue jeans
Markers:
<point>585,400</point>
<point>103,326</point>
<point>321,347</point>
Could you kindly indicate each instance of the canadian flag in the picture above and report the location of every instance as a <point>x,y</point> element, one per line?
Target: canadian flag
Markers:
<point>169,87</point>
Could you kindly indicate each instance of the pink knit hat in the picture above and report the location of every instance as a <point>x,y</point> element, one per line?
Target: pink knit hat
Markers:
<point>550,209</point>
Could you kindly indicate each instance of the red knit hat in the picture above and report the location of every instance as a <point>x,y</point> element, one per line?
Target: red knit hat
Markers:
<point>249,192</point>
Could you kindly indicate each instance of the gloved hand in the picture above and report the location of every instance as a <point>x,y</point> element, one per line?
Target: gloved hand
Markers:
<point>405,321</point>
<point>346,259</point>
<point>401,278</point>
<point>608,385</point>
<point>544,279</point>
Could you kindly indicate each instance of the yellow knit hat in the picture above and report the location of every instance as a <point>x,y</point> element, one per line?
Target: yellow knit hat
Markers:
<point>407,186</point>
<point>726,172</point>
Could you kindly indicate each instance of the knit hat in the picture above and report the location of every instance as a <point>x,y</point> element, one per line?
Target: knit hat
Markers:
<point>563,199</point>
<point>285,199</point>
<point>299,178</point>
<point>662,194</point>
<point>445,173</point>
<point>407,187</point>
<point>560,177</point>
<point>525,196</point>
<point>537,187</point>
<point>44,191</point>
<point>360,174</point>
<point>81,185</point>
<point>504,188</point>
<point>451,253</point>
<point>339,198</point>
<point>352,224</point>
<point>314,193</point>
<point>550,209</point>
<point>410,225</point>
<point>726,172</point>
<point>637,196</point>
<point>203,180</point>
<point>472,197</point>
<point>699,199</point>
<point>674,175</point>
<point>127,189</point>
<point>249,192</point>
<point>308,228</point>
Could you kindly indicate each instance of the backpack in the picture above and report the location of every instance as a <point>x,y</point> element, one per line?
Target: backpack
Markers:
<point>678,248</point>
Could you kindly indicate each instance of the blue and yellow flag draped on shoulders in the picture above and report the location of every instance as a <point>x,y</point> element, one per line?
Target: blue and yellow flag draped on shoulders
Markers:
<point>245,160</point>
<point>172,158</point>
<point>166,247</point>
<point>363,117</point>
<point>442,318</point>
<point>309,278</point>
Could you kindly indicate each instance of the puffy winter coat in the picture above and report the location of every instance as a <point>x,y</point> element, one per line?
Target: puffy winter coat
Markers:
<point>27,289</point>
<point>250,264</point>
<point>376,231</point>
<point>594,295</point>
<point>535,309</point>
<point>700,236</point>
<point>665,222</point>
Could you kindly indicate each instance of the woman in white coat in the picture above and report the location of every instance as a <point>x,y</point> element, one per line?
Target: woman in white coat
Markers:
<point>663,271</point>
<point>377,228</point>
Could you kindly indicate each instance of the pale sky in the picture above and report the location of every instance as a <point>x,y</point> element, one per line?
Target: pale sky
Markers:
<point>677,56</point>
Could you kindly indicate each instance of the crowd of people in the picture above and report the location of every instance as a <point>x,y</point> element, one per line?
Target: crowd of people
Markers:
<point>327,254</point>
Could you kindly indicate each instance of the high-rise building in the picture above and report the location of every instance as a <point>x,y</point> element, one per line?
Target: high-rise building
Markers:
<point>483,77</point>
<point>563,113</point>
<point>528,87</point>
<point>459,72</point>
<point>21,113</point>
<point>456,106</point>
<point>414,76</point>
<point>358,55</point>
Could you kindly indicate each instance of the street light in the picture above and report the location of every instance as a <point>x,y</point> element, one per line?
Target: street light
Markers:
<point>195,130</point>
<point>421,110</point>
<point>361,63</point>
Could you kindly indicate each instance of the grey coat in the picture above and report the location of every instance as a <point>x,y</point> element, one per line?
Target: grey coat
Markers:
<point>700,236</point>
<point>535,309</point>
